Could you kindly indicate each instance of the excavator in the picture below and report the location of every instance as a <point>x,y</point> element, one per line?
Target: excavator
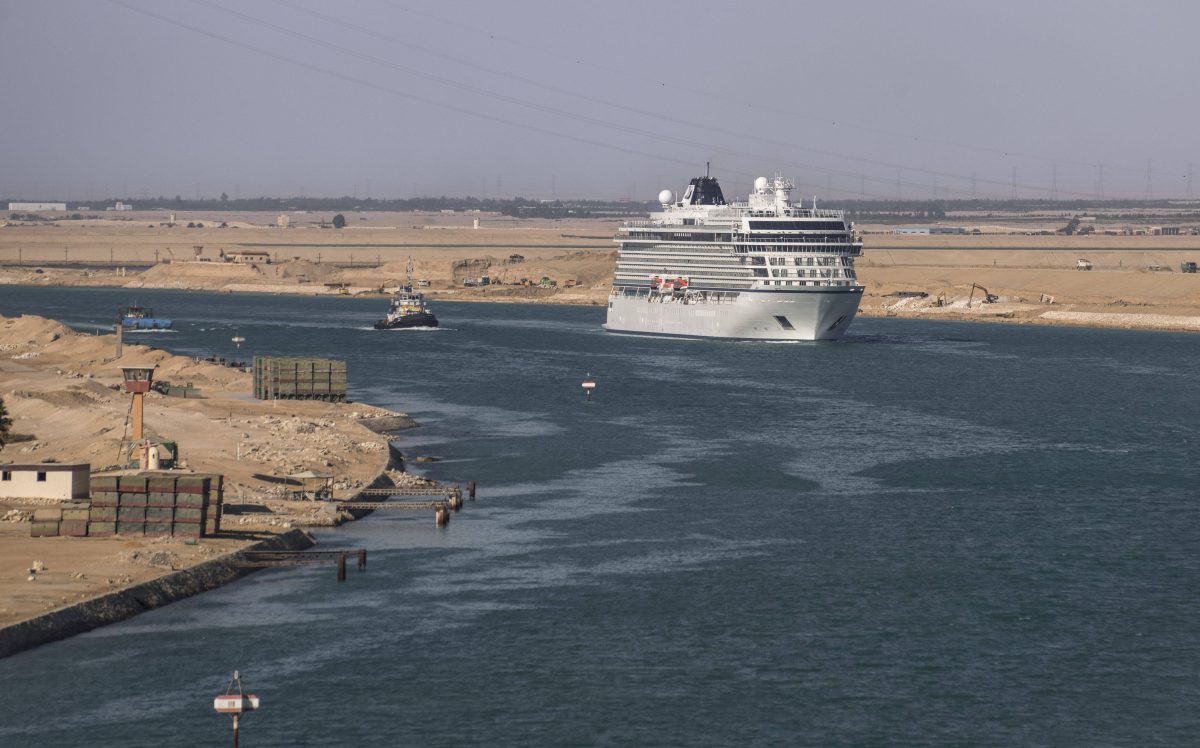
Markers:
<point>988,298</point>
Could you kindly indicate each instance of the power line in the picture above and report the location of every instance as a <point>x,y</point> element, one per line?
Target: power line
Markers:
<point>573,115</point>
<point>508,99</point>
<point>639,75</point>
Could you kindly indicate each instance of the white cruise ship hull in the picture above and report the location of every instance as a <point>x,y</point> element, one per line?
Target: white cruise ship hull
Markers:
<point>817,314</point>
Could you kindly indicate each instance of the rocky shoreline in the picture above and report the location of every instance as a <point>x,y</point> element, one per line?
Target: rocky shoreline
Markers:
<point>130,601</point>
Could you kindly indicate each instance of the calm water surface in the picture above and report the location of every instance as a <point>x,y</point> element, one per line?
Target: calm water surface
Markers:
<point>928,534</point>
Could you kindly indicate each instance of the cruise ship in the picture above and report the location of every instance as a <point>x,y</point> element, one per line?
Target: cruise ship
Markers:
<point>765,269</point>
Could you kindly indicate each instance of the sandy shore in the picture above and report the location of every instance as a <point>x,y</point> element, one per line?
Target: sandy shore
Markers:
<point>1135,280</point>
<point>61,389</point>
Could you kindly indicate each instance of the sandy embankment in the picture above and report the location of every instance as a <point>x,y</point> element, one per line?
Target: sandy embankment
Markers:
<point>61,389</point>
<point>1032,274</point>
<point>1038,286</point>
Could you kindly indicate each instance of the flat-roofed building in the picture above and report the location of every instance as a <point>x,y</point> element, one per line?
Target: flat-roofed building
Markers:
<point>247,256</point>
<point>37,206</point>
<point>45,480</point>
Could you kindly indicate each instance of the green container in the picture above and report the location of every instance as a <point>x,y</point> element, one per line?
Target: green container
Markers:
<point>158,529</point>
<point>133,483</point>
<point>131,514</point>
<point>105,498</point>
<point>101,529</point>
<point>189,514</point>
<point>103,514</point>
<point>159,514</point>
<point>131,528</point>
<point>192,484</point>
<point>47,514</point>
<point>44,529</point>
<point>161,484</point>
<point>73,528</point>
<point>131,499</point>
<point>104,483</point>
<point>160,499</point>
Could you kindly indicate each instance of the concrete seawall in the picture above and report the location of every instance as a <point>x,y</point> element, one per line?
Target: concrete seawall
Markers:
<point>128,602</point>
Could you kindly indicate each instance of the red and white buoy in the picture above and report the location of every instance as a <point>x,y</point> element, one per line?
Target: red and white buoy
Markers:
<point>589,384</point>
<point>235,704</point>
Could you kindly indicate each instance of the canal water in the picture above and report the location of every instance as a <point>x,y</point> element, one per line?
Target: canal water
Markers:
<point>929,533</point>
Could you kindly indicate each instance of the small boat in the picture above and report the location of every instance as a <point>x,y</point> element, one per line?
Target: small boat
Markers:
<point>142,318</point>
<point>408,309</point>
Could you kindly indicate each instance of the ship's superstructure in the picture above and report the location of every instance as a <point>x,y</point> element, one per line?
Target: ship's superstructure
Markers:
<point>408,308</point>
<point>763,269</point>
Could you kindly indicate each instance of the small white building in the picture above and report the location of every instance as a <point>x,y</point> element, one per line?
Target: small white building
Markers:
<point>36,206</point>
<point>121,206</point>
<point>247,256</point>
<point>45,480</point>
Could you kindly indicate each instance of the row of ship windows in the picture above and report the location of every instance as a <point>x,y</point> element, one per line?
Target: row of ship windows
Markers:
<point>808,283</point>
<point>809,261</point>
<point>726,238</point>
<point>755,273</point>
<point>837,247</point>
<point>797,226</point>
<point>813,273</point>
<point>830,258</point>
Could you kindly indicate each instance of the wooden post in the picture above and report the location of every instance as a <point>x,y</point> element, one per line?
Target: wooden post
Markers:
<point>362,559</point>
<point>120,331</point>
<point>341,567</point>
<point>471,490</point>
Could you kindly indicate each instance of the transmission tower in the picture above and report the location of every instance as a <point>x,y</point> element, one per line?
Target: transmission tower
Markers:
<point>1149,180</point>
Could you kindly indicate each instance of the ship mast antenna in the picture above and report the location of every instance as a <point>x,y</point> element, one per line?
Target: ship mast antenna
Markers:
<point>707,165</point>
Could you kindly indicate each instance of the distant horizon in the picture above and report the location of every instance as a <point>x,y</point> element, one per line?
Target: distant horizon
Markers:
<point>374,203</point>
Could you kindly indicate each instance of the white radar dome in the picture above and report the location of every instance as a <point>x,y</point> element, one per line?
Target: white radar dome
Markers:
<point>760,183</point>
<point>666,197</point>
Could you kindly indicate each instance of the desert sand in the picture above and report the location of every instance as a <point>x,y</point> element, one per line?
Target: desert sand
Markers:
<point>1135,281</point>
<point>61,389</point>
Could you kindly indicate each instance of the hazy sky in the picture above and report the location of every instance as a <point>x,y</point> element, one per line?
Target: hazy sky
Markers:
<point>396,98</point>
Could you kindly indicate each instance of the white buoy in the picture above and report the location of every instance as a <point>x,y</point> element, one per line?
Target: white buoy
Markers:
<point>589,384</point>
<point>235,704</point>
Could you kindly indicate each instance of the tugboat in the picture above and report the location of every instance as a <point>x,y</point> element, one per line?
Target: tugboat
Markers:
<point>407,309</point>
<point>142,318</point>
